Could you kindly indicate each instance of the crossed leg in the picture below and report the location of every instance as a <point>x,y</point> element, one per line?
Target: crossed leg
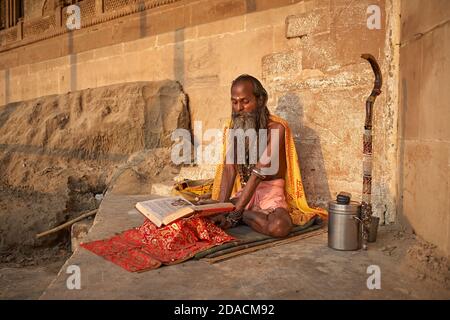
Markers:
<point>276,224</point>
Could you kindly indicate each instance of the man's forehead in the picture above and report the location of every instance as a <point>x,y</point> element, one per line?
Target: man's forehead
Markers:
<point>242,89</point>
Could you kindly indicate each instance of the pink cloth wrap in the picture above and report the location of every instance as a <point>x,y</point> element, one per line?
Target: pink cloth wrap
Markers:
<point>268,196</point>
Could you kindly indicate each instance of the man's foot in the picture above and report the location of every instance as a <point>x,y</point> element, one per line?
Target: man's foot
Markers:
<point>234,218</point>
<point>220,221</point>
<point>227,220</point>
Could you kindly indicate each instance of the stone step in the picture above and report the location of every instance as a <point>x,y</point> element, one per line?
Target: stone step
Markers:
<point>79,231</point>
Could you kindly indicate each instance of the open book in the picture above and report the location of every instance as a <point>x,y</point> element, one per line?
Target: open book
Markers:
<point>163,211</point>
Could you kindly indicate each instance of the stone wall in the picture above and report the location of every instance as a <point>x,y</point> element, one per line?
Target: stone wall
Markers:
<point>57,152</point>
<point>424,134</point>
<point>33,8</point>
<point>307,54</point>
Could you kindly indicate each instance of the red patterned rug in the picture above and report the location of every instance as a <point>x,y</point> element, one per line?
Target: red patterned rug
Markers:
<point>147,246</point>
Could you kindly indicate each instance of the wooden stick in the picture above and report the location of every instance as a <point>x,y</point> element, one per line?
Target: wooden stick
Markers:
<point>239,244</point>
<point>366,203</point>
<point>67,224</point>
<point>263,246</point>
<point>252,243</point>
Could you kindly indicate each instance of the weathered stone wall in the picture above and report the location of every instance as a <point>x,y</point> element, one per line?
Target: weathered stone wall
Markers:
<point>33,8</point>
<point>57,152</point>
<point>307,54</point>
<point>424,134</point>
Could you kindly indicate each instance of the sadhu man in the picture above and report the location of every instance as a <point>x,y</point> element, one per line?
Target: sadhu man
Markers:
<point>261,203</point>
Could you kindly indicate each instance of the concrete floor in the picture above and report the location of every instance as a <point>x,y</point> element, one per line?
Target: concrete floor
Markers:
<point>26,283</point>
<point>306,269</point>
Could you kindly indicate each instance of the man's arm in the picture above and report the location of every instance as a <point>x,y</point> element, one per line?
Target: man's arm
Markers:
<point>226,185</point>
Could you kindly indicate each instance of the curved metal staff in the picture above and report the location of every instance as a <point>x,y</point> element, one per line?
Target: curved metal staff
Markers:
<point>366,206</point>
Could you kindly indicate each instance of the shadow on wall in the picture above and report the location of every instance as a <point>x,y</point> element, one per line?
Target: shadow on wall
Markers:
<point>307,142</point>
<point>401,217</point>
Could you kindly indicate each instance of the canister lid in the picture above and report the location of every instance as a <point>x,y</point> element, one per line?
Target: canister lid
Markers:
<point>352,208</point>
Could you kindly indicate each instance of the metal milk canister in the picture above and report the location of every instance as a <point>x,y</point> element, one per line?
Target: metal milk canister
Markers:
<point>344,227</point>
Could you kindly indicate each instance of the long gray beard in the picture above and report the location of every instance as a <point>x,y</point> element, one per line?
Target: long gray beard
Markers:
<point>245,121</point>
<point>255,120</point>
<point>258,119</point>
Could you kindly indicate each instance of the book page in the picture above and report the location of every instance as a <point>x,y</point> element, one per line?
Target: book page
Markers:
<point>163,207</point>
